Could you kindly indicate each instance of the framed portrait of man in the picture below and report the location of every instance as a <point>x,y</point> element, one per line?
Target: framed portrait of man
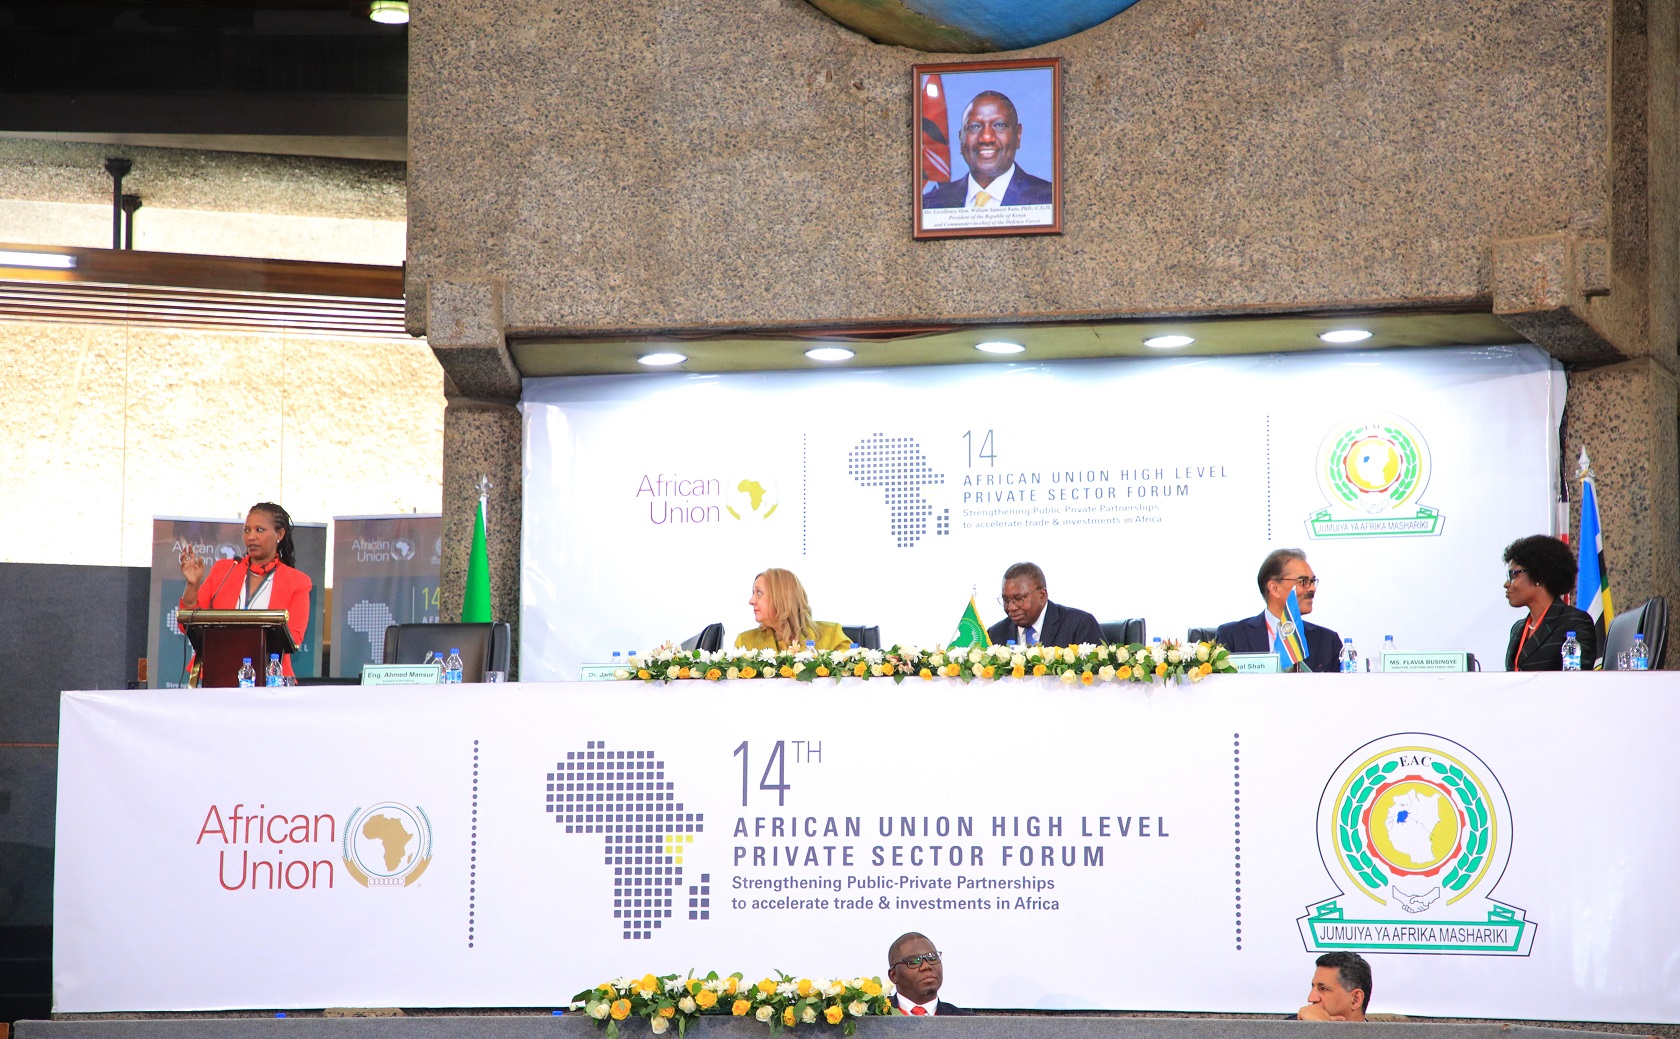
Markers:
<point>988,148</point>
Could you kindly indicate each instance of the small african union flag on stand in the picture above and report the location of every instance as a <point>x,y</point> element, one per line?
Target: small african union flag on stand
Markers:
<point>971,631</point>
<point>1290,649</point>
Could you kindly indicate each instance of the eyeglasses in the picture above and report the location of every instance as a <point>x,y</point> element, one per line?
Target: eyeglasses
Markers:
<point>916,961</point>
<point>1304,582</point>
<point>1015,600</point>
<point>1511,574</point>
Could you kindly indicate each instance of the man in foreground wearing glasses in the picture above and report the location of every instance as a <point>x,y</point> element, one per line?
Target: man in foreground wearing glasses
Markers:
<point>1036,621</point>
<point>914,969</point>
<point>1283,570</point>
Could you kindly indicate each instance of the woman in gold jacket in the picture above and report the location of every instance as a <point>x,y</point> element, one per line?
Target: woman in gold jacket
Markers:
<point>784,617</point>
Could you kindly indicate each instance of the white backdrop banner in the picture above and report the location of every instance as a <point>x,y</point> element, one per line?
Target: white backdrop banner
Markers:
<point>1147,488</point>
<point>1486,839</point>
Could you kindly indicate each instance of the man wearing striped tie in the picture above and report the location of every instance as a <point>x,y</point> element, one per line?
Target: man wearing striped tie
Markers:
<point>914,969</point>
<point>990,136</point>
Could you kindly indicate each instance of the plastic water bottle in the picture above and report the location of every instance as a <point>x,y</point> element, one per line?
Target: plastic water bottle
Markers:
<point>276,673</point>
<point>1012,643</point>
<point>1571,653</point>
<point>452,667</point>
<point>810,645</point>
<point>1388,644</point>
<point>247,675</point>
<point>1639,655</point>
<point>617,661</point>
<point>1350,658</point>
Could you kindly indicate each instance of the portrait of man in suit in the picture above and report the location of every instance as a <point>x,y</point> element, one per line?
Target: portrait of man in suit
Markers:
<point>1284,570</point>
<point>915,969</point>
<point>990,136</point>
<point>1033,620</point>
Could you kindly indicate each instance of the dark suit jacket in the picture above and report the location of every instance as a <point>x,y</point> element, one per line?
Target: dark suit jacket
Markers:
<point>1024,190</point>
<point>949,1010</point>
<point>1063,626</point>
<point>1544,649</point>
<point>1324,647</point>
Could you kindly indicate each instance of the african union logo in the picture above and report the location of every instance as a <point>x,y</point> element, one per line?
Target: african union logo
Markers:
<point>1415,830</point>
<point>1372,472</point>
<point>752,498</point>
<point>387,845</point>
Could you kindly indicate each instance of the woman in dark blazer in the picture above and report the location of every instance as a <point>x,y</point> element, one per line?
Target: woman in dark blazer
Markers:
<point>1539,572</point>
<point>265,578</point>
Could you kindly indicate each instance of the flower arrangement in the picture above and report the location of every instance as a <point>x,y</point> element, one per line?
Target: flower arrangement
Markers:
<point>1168,660</point>
<point>780,1002</point>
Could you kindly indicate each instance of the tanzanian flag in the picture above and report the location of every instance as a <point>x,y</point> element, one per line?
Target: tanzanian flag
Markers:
<point>971,631</point>
<point>1592,584</point>
<point>1291,650</point>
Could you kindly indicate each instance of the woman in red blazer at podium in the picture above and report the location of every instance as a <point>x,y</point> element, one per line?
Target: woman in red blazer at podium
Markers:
<point>266,578</point>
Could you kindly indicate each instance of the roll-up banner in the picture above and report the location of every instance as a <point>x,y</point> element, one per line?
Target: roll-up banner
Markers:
<point>385,571</point>
<point>167,648</point>
<point>1145,488</point>
<point>1496,844</point>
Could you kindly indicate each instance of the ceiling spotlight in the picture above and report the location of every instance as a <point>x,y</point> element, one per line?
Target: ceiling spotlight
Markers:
<point>1167,342</point>
<point>661,360</point>
<point>829,353</point>
<point>999,347</point>
<point>1345,335</point>
<point>18,258</point>
<point>389,12</point>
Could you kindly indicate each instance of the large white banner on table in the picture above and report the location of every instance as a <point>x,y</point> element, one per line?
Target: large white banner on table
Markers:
<point>1489,840</point>
<point>1147,488</point>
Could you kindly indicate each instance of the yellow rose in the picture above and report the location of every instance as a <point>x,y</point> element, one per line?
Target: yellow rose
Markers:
<point>706,998</point>
<point>713,675</point>
<point>953,670</point>
<point>620,1009</point>
<point>872,988</point>
<point>860,669</point>
<point>1206,669</point>
<point>788,1017</point>
<point>733,986</point>
<point>1087,678</point>
<point>1160,670</point>
<point>833,1014</point>
<point>643,674</point>
<point>1038,670</point>
<point>749,672</point>
<point>740,1007</point>
<point>887,668</point>
<point>667,1011</point>
<point>925,673</point>
<point>988,672</point>
<point>611,992</point>
<point>767,986</point>
<point>648,985</point>
<point>822,672</point>
<point>803,988</point>
<point>786,672</point>
<point>1018,671</point>
<point>682,672</point>
<point>1123,672</point>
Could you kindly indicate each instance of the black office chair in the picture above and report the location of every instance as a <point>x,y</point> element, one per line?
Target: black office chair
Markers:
<point>1202,634</point>
<point>866,635</point>
<point>1649,619</point>
<point>1126,632</point>
<point>484,647</point>
<point>710,639</point>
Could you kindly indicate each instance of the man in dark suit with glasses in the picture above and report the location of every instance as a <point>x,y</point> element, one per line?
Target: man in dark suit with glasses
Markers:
<point>914,968</point>
<point>1033,619</point>
<point>1284,570</point>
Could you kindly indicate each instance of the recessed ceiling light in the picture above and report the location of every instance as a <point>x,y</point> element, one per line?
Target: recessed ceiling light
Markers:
<point>1000,347</point>
<point>660,360</point>
<point>1345,335</point>
<point>1167,342</point>
<point>829,353</point>
<point>17,258</point>
<point>389,12</point>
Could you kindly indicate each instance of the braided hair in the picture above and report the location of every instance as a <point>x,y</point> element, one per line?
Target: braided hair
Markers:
<point>287,549</point>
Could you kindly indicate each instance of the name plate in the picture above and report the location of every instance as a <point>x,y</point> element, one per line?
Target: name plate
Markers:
<point>600,672</point>
<point>402,674</point>
<point>1255,663</point>
<point>1420,662</point>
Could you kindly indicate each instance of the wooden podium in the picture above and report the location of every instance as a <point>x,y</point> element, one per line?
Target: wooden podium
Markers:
<point>222,639</point>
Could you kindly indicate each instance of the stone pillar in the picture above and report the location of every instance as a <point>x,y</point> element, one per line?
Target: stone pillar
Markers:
<point>1625,416</point>
<point>481,437</point>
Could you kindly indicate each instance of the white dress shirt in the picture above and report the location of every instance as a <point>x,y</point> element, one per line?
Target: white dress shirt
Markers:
<point>1037,626</point>
<point>995,189</point>
<point>931,1007</point>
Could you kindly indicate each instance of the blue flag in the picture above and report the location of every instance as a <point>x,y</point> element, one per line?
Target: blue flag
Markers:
<point>1290,642</point>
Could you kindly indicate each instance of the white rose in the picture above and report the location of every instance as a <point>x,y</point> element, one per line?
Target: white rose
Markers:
<point>599,1011</point>
<point>1102,652</point>
<point>937,660</point>
<point>877,670</point>
<point>733,672</point>
<point>857,1007</point>
<point>1202,652</point>
<point>975,656</point>
<point>1018,660</point>
<point>1121,655</point>
<point>687,1005</point>
<point>1069,677</point>
<point>1105,672</point>
<point>765,1013</point>
<point>1174,656</point>
<point>659,1024</point>
<point>808,1016</point>
<point>621,674</point>
<point>833,988</point>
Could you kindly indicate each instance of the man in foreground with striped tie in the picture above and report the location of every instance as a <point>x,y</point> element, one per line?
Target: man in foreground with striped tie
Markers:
<point>914,969</point>
<point>990,136</point>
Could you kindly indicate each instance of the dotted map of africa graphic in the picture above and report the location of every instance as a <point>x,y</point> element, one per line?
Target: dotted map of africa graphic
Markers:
<point>623,795</point>
<point>898,467</point>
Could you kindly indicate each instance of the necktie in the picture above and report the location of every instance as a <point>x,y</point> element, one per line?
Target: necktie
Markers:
<point>917,1012</point>
<point>981,200</point>
<point>1032,637</point>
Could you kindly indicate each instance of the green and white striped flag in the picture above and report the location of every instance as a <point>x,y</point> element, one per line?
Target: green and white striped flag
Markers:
<point>971,631</point>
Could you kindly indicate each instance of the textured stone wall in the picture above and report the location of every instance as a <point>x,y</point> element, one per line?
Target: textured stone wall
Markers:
<point>674,163</point>
<point>106,426</point>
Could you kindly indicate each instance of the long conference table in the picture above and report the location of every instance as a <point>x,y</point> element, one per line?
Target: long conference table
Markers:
<point>1499,845</point>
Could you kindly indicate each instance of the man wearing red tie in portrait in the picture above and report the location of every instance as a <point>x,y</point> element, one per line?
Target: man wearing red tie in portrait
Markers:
<point>914,969</point>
